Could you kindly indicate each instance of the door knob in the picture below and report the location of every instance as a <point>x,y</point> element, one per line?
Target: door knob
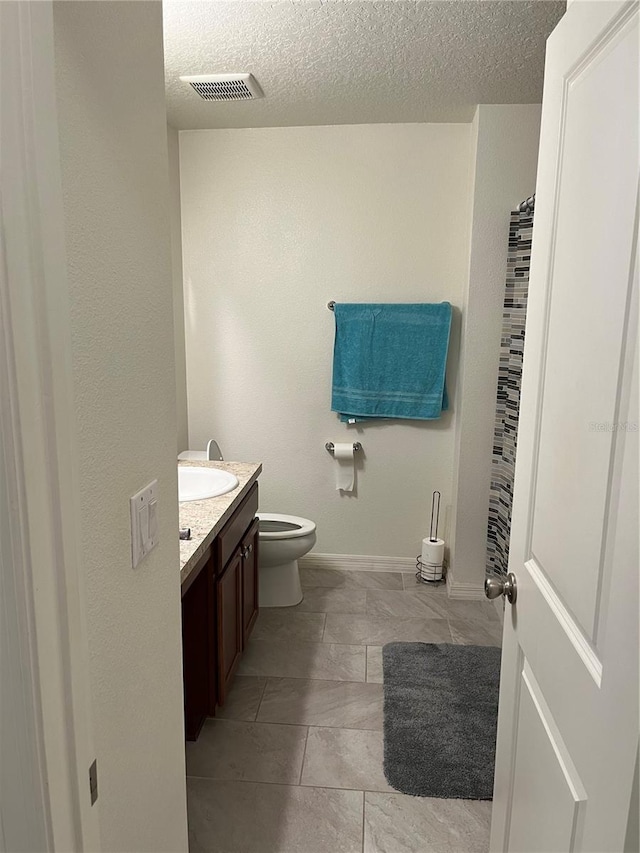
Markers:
<point>493,587</point>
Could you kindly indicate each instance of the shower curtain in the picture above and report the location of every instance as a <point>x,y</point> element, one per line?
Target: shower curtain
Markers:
<point>508,393</point>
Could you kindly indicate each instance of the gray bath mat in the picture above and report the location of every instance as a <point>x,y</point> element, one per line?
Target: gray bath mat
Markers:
<point>440,719</point>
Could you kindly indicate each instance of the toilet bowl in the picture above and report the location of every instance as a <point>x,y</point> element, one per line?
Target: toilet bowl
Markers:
<point>283,539</point>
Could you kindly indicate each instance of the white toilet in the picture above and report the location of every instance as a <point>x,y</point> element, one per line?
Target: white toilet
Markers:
<point>283,539</point>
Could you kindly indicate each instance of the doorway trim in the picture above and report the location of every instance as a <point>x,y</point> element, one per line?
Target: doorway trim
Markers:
<point>46,643</point>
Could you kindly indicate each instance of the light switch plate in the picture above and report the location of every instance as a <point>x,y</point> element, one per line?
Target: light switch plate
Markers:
<point>144,522</point>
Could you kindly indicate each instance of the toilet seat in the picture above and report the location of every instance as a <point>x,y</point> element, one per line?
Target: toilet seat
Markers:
<point>275,526</point>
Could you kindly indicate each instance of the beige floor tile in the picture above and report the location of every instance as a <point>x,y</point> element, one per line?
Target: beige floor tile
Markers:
<point>354,580</point>
<point>247,817</point>
<point>374,664</point>
<point>476,633</point>
<point>341,704</point>
<point>324,599</point>
<point>410,583</point>
<point>406,604</point>
<point>301,669</point>
<point>277,624</point>
<point>376,631</point>
<point>395,823</point>
<point>421,603</point>
<point>243,700</point>
<point>344,758</point>
<point>250,752</point>
<point>286,659</point>
<point>472,611</point>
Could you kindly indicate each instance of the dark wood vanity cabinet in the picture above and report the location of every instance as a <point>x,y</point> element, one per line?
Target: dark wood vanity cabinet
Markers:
<point>219,610</point>
<point>229,598</point>
<point>249,553</point>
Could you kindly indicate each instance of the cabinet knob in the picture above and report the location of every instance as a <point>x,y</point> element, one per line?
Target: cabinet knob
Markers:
<point>246,551</point>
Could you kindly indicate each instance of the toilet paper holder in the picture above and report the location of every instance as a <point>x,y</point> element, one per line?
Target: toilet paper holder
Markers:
<point>330,446</point>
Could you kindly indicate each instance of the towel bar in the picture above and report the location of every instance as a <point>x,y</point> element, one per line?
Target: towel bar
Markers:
<point>330,446</point>
<point>331,305</point>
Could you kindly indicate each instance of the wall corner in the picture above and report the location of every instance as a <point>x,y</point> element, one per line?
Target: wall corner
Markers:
<point>505,164</point>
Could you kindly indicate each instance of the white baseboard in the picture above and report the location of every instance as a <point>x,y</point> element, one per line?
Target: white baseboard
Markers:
<point>466,590</point>
<point>358,563</point>
<point>369,563</point>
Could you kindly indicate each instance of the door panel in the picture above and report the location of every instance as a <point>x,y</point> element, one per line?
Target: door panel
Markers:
<point>585,336</point>
<point>568,717</point>
<point>555,791</point>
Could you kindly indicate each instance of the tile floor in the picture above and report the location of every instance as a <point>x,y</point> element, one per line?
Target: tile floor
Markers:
<point>293,762</point>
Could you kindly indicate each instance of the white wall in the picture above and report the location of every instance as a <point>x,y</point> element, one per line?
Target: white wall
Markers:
<point>276,222</point>
<point>110,85</point>
<point>178,291</point>
<point>506,156</point>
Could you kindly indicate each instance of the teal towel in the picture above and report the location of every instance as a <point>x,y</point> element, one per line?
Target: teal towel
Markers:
<point>389,361</point>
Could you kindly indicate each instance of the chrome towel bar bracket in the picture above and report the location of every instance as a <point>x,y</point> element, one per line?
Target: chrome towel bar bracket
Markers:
<point>331,447</point>
<point>331,305</point>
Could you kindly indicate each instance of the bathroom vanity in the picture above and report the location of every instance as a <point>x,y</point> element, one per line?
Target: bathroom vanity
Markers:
<point>219,580</point>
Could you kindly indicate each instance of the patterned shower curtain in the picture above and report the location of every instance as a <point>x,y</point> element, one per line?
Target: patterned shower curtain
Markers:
<point>508,394</point>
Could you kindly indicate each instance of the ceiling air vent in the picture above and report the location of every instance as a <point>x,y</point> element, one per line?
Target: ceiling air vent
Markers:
<point>225,87</point>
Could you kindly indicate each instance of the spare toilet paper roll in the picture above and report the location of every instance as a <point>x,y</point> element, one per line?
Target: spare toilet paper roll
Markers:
<point>432,552</point>
<point>345,471</point>
<point>431,559</point>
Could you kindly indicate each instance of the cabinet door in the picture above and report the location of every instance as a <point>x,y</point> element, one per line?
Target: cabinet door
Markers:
<point>197,663</point>
<point>249,549</point>
<point>229,597</point>
<point>212,638</point>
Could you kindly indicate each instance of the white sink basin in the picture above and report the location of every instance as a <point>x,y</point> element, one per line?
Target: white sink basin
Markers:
<point>198,484</point>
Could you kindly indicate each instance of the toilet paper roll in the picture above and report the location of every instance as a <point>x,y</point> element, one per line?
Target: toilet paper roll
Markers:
<point>432,558</point>
<point>345,471</point>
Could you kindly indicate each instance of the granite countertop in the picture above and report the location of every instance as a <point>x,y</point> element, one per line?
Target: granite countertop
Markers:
<point>207,518</point>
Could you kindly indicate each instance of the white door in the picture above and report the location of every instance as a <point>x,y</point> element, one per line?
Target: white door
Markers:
<point>568,719</point>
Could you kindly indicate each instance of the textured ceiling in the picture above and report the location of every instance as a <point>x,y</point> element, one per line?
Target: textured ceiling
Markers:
<point>355,62</point>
